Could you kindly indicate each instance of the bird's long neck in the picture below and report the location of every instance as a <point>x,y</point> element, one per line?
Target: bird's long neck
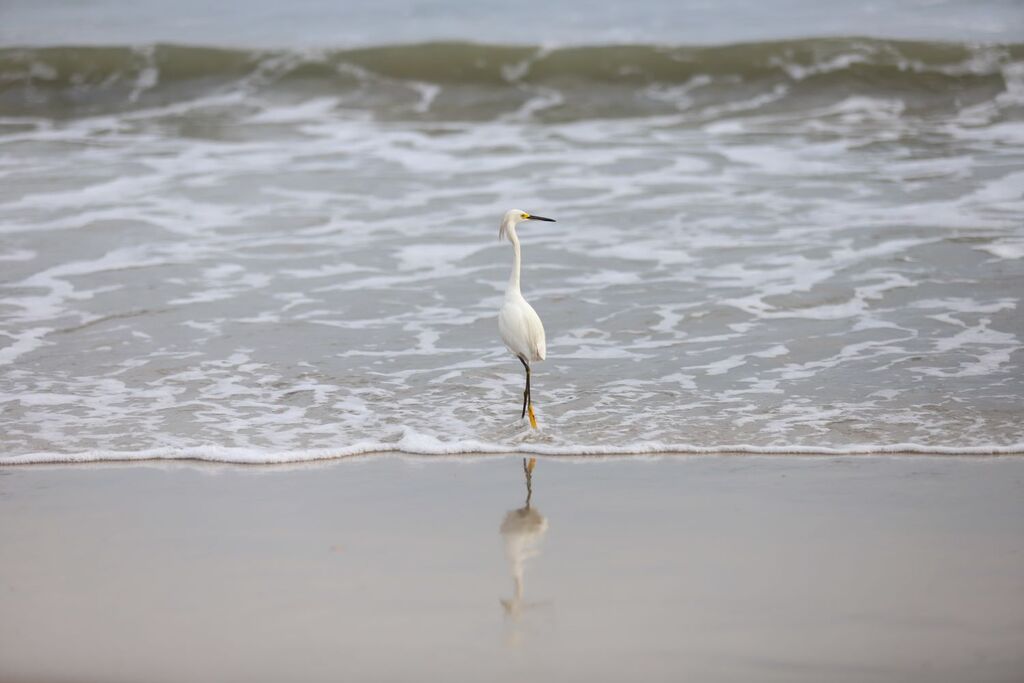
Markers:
<point>513,279</point>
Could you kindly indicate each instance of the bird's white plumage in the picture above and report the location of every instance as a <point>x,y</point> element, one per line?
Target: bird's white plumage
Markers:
<point>521,329</point>
<point>519,325</point>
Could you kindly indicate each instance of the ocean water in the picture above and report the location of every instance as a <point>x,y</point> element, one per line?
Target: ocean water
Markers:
<point>256,252</point>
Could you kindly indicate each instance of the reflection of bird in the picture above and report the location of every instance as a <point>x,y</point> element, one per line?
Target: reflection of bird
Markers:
<point>519,325</point>
<point>523,531</point>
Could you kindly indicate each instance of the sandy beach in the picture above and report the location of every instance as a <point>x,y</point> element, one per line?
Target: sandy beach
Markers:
<point>391,568</point>
<point>280,283</point>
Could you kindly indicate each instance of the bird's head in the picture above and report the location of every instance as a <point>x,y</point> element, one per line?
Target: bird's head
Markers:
<point>514,217</point>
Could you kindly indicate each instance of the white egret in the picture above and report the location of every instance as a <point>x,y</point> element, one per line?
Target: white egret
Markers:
<point>519,325</point>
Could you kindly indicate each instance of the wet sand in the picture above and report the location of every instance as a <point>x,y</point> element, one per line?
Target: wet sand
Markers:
<point>400,569</point>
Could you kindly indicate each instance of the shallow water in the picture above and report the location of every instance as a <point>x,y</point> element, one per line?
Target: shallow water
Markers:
<point>266,255</point>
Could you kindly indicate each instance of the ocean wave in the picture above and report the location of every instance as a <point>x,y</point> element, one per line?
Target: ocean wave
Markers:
<point>474,81</point>
<point>423,445</point>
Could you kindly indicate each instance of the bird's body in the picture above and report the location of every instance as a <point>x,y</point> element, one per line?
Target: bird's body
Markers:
<point>519,325</point>
<point>521,329</point>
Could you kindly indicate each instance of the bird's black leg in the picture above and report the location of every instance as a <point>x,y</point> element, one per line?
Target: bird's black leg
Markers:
<point>527,399</point>
<point>526,392</point>
<point>529,394</point>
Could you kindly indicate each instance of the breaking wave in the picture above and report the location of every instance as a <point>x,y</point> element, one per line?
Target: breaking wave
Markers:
<point>465,81</point>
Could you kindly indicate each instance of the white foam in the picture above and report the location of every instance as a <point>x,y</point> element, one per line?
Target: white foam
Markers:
<point>840,62</point>
<point>25,341</point>
<point>723,366</point>
<point>18,255</point>
<point>304,278</point>
<point>1004,249</point>
<point>414,444</point>
<point>310,110</point>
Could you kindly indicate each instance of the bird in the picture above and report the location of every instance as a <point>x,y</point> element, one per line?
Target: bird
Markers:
<point>519,325</point>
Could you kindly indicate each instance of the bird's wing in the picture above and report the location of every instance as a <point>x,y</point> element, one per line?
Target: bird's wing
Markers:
<point>522,330</point>
<point>538,343</point>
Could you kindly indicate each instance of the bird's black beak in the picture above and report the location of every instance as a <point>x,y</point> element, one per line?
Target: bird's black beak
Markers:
<point>541,218</point>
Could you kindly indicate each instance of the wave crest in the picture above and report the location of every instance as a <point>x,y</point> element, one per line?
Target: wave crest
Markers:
<point>472,81</point>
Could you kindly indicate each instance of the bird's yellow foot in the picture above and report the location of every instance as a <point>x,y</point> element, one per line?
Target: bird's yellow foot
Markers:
<point>533,418</point>
<point>530,465</point>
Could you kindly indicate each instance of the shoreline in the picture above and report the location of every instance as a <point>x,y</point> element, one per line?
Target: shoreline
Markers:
<point>258,456</point>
